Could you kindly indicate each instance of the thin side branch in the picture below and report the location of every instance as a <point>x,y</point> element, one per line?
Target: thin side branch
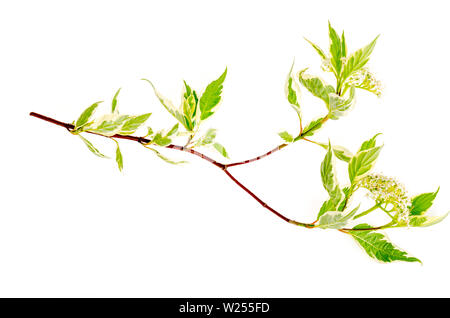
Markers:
<point>256,158</point>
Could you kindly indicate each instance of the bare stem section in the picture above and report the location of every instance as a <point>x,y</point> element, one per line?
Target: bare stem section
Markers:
<point>277,148</point>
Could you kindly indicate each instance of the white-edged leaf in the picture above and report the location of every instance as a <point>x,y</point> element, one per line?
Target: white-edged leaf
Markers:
<point>189,105</point>
<point>173,130</point>
<point>114,101</point>
<point>327,171</point>
<point>343,45</point>
<point>378,246</point>
<point>336,219</point>
<point>318,49</point>
<point>316,86</point>
<point>358,59</point>
<point>330,183</point>
<point>312,127</point>
<point>86,116</point>
<point>168,105</point>
<point>426,220</point>
<point>108,125</point>
<point>161,139</point>
<point>371,143</point>
<point>292,92</point>
<point>339,106</point>
<point>119,157</point>
<point>133,123</point>
<point>362,162</point>
<point>335,49</point>
<point>221,149</point>
<point>328,205</point>
<point>422,202</point>
<point>286,136</point>
<point>165,158</point>
<point>340,152</point>
<point>208,138</point>
<point>91,147</point>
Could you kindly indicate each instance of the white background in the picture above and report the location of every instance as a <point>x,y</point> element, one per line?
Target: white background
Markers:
<point>72,225</point>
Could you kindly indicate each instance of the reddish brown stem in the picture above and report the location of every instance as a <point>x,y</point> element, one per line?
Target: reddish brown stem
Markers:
<point>264,204</point>
<point>222,166</point>
<point>256,158</point>
<point>300,136</point>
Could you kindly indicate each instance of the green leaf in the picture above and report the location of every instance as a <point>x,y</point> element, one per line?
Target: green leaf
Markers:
<point>114,101</point>
<point>173,130</point>
<point>330,183</point>
<point>422,202</point>
<point>340,152</point>
<point>328,205</point>
<point>133,123</point>
<point>346,192</point>
<point>286,136</point>
<point>343,45</point>
<point>358,59</point>
<point>335,49</point>
<point>339,105</point>
<point>291,89</point>
<point>161,140</point>
<point>119,158</point>
<point>336,219</point>
<point>326,171</point>
<point>312,127</point>
<point>149,131</point>
<point>318,49</point>
<point>362,162</point>
<point>165,158</point>
<point>220,149</point>
<point>108,127</point>
<point>316,86</point>
<point>189,106</point>
<point>378,246</point>
<point>208,138</point>
<point>85,116</point>
<point>91,147</point>
<point>424,221</point>
<point>368,144</point>
<point>169,106</point>
<point>292,92</point>
<point>211,96</point>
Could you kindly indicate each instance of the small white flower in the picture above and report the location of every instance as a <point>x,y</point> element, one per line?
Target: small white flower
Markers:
<point>326,65</point>
<point>388,191</point>
<point>365,79</point>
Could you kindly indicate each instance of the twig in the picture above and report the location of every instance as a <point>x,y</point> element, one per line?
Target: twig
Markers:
<point>277,148</point>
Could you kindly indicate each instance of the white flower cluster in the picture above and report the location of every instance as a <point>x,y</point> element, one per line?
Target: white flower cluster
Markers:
<point>326,65</point>
<point>364,79</point>
<point>387,190</point>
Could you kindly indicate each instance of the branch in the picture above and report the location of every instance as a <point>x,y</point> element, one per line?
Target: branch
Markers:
<point>256,158</point>
<point>220,165</point>
<point>140,140</point>
<point>277,148</point>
